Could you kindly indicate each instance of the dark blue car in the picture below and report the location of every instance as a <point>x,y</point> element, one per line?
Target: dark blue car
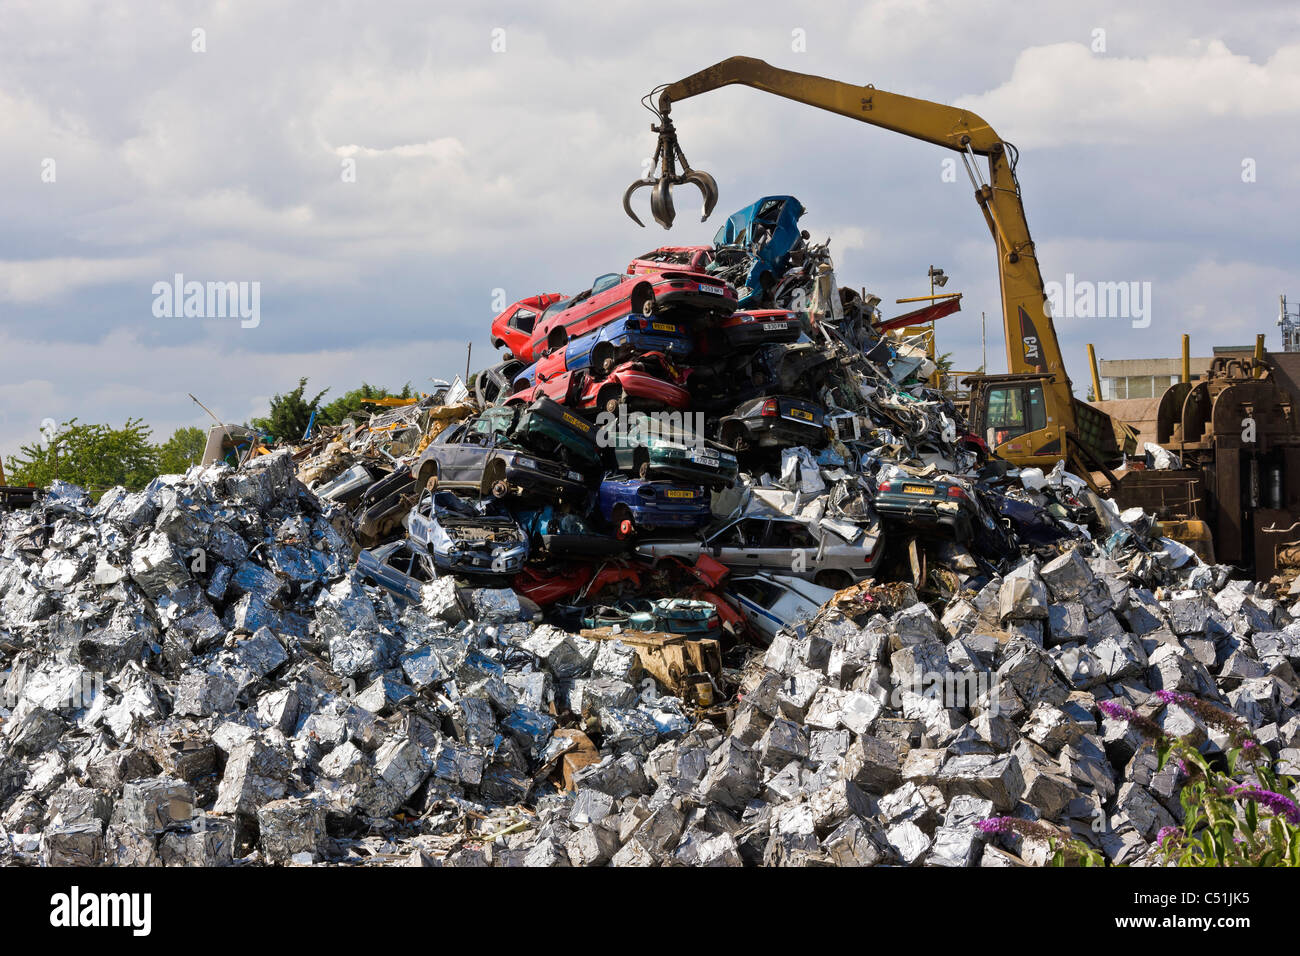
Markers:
<point>653,504</point>
<point>607,346</point>
<point>768,230</point>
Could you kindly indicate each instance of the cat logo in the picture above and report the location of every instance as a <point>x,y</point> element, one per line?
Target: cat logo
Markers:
<point>1029,339</point>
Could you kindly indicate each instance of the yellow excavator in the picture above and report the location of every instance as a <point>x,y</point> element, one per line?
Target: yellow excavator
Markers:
<point>1028,415</point>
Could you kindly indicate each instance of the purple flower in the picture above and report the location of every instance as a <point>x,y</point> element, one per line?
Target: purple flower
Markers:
<point>1273,802</point>
<point>1174,697</point>
<point>1029,828</point>
<point>1112,709</point>
<point>1145,725</point>
<point>1165,833</point>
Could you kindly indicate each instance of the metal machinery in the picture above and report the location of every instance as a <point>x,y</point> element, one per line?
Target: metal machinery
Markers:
<point>1239,441</point>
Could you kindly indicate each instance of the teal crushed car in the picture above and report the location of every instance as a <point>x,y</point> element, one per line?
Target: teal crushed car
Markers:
<point>668,445</point>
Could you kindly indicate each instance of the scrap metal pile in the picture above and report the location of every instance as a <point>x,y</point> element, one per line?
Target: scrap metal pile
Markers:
<point>686,580</point>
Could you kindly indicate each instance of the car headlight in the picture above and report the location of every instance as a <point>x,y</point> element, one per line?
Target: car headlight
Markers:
<point>526,462</point>
<point>575,476</point>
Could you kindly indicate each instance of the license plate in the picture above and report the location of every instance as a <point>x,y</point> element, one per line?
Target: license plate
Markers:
<point>664,326</point>
<point>800,414</point>
<point>918,490</point>
<point>703,457</point>
<point>775,326</point>
<point>577,423</point>
<point>679,494</point>
<point>711,289</point>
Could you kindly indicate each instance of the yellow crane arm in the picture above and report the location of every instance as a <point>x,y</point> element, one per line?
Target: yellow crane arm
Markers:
<point>1031,340</point>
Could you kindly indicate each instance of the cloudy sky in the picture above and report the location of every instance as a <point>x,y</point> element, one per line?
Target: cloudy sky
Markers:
<point>491,145</point>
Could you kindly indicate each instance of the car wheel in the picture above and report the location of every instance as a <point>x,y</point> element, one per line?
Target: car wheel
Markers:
<point>602,358</point>
<point>838,580</point>
<point>500,488</point>
<point>429,478</point>
<point>643,301</point>
<point>643,466</point>
<point>609,398</point>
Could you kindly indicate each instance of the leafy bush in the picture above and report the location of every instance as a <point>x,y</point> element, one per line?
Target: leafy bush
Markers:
<point>96,457</point>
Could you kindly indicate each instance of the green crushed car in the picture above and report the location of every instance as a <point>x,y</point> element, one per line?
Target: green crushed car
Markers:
<point>546,427</point>
<point>665,445</point>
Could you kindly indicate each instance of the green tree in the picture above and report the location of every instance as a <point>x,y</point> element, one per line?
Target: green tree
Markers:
<point>183,449</point>
<point>96,457</point>
<point>289,413</point>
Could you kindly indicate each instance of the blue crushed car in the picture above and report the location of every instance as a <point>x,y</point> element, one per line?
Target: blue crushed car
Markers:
<point>653,504</point>
<point>752,248</point>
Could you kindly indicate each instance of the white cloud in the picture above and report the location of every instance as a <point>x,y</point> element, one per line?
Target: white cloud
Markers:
<point>1064,94</point>
<point>36,280</point>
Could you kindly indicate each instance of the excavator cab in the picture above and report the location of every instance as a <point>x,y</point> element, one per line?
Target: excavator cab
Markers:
<point>1012,414</point>
<point>1012,411</point>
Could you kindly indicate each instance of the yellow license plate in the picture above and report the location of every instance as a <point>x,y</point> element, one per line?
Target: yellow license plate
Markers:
<point>679,494</point>
<point>663,327</point>
<point>918,490</point>
<point>577,423</point>
<point>800,413</point>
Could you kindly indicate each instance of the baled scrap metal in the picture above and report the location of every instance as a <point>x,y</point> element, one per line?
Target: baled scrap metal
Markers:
<point>256,773</point>
<point>157,804</point>
<point>291,830</point>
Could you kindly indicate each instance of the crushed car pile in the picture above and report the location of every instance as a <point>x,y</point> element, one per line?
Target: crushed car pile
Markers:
<point>702,573</point>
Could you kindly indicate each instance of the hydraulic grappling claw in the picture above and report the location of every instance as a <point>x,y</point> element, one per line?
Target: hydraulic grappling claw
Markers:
<point>667,155</point>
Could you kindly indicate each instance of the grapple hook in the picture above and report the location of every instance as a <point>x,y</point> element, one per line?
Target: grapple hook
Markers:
<point>668,153</point>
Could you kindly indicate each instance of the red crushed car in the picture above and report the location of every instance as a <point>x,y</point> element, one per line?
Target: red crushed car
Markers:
<point>613,296</point>
<point>648,381</point>
<point>514,327</point>
<point>691,258</point>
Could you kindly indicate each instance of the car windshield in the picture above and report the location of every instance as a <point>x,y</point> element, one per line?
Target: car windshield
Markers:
<point>607,281</point>
<point>554,307</point>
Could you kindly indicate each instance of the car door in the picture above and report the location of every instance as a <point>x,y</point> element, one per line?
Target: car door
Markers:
<point>462,463</point>
<point>789,546</point>
<point>738,545</point>
<point>609,299</point>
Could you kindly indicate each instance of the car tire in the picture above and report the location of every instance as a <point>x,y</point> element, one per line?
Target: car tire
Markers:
<point>428,479</point>
<point>643,301</point>
<point>602,358</point>
<point>833,578</point>
<point>608,399</point>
